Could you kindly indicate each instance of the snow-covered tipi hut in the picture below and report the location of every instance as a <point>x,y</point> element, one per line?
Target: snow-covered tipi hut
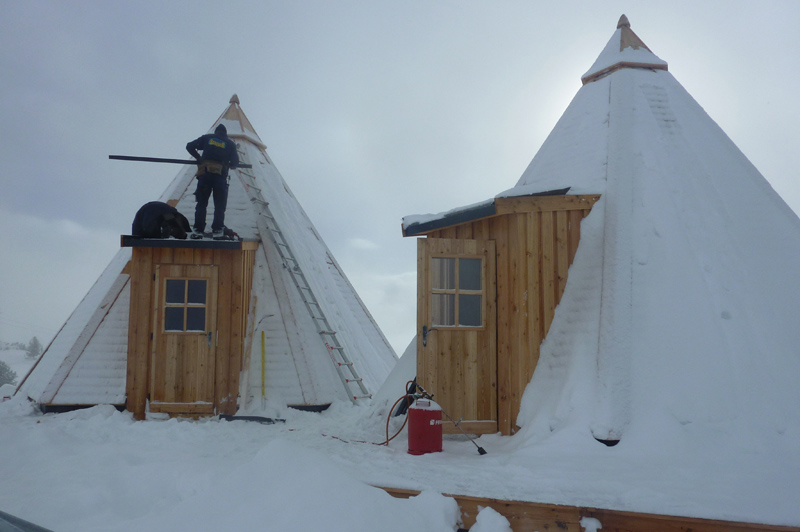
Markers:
<point>203,327</point>
<point>641,269</point>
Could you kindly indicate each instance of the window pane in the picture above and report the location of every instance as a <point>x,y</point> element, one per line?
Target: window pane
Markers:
<point>173,318</point>
<point>469,310</point>
<point>443,309</point>
<point>469,274</point>
<point>197,292</point>
<point>176,291</point>
<point>443,274</point>
<point>196,319</point>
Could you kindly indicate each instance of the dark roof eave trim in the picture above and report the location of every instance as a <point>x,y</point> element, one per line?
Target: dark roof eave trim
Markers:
<point>128,241</point>
<point>459,217</point>
<point>469,214</point>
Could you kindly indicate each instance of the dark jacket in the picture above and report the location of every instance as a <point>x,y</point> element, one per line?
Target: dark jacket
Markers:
<point>216,147</point>
<point>159,220</point>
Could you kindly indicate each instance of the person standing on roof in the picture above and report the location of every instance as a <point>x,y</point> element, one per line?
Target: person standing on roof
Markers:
<point>219,154</point>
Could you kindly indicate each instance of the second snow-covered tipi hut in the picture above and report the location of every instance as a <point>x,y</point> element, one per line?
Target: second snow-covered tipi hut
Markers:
<point>681,302</point>
<point>203,327</point>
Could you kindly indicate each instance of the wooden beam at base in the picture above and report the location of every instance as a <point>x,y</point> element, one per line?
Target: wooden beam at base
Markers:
<point>191,409</point>
<point>533,516</point>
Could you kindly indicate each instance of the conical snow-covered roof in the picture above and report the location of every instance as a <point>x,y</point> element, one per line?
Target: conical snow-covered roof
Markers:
<point>86,362</point>
<point>681,307</point>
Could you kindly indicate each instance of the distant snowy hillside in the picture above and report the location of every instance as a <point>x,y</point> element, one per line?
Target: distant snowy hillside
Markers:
<point>18,361</point>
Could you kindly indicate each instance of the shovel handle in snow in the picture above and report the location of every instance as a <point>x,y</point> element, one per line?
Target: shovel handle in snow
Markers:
<point>162,160</point>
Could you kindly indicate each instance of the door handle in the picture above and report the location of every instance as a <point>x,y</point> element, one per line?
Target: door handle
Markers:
<point>425,332</point>
<point>209,339</point>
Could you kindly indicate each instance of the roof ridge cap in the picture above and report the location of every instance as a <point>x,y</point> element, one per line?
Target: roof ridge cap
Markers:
<point>630,52</point>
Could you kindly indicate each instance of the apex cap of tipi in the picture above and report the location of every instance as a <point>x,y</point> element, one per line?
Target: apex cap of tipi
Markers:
<point>237,123</point>
<point>624,50</point>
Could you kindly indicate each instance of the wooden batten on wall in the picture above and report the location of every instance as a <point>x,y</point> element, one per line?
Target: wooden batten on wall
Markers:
<point>194,373</point>
<point>535,239</point>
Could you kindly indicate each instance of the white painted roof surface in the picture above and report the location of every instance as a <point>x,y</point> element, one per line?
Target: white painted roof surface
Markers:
<point>102,367</point>
<point>86,362</point>
<point>89,342</point>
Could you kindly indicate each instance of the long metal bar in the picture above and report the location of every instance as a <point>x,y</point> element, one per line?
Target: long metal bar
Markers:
<point>162,160</point>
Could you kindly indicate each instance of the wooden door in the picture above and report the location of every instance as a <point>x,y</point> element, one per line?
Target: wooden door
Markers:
<point>457,330</point>
<point>182,375</point>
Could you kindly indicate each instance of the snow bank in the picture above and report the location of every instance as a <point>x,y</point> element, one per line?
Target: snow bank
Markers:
<point>488,520</point>
<point>183,475</point>
<point>287,487</point>
<point>97,470</point>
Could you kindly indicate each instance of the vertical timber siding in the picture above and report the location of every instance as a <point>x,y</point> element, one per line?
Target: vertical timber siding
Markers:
<point>139,329</point>
<point>536,240</point>
<point>233,302</point>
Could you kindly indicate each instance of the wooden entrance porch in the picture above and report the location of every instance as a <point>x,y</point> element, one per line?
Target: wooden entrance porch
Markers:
<point>187,325</point>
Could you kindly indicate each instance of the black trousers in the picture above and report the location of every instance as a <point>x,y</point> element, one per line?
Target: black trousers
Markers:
<point>208,184</point>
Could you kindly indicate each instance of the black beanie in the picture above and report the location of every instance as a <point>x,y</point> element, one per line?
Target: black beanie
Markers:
<point>221,130</point>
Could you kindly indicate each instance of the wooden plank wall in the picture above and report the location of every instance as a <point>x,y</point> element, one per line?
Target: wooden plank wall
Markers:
<point>233,300</point>
<point>245,327</point>
<point>533,516</point>
<point>142,271</point>
<point>239,287</point>
<point>536,240</point>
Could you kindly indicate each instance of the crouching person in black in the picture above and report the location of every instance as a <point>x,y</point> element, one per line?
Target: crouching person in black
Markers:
<point>219,154</point>
<point>159,220</point>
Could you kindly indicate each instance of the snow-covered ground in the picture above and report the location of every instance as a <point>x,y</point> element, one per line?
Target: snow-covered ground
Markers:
<point>98,470</point>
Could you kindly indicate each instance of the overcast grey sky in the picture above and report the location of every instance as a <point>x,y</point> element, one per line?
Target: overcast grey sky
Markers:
<point>371,110</point>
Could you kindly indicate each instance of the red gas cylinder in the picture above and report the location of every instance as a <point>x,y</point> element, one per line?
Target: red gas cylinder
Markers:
<point>424,427</point>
